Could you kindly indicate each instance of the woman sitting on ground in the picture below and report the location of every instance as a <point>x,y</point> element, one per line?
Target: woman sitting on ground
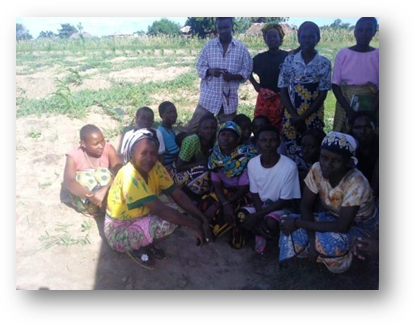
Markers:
<point>228,166</point>
<point>190,169</point>
<point>346,195</point>
<point>135,217</point>
<point>88,174</point>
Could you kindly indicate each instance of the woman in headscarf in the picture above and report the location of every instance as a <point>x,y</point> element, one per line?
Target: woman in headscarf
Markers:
<point>350,210</point>
<point>304,81</point>
<point>355,79</point>
<point>135,217</point>
<point>228,166</point>
<point>266,66</point>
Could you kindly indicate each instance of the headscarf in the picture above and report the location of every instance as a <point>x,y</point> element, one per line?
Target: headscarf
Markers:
<point>342,144</point>
<point>136,136</point>
<point>234,164</point>
<point>273,27</point>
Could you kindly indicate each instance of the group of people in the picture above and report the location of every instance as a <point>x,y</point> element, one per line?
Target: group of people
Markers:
<point>276,178</point>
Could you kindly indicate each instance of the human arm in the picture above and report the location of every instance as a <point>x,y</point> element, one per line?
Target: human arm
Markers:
<point>336,89</point>
<point>255,84</point>
<point>224,202</point>
<point>189,149</point>
<point>69,179</point>
<point>115,162</point>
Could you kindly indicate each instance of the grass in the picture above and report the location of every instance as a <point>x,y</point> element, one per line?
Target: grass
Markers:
<point>63,237</point>
<point>34,134</point>
<point>159,52</point>
<point>44,185</point>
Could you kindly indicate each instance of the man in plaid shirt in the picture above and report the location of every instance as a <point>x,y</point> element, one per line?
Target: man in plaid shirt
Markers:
<point>223,64</point>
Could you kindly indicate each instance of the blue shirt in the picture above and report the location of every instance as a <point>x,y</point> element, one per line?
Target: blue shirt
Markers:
<point>171,147</point>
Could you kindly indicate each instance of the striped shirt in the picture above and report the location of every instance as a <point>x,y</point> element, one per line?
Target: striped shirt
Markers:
<point>171,148</point>
<point>215,92</point>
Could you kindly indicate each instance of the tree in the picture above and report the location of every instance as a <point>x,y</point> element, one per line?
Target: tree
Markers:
<point>337,24</point>
<point>201,26</point>
<point>204,26</point>
<point>22,33</point>
<point>46,34</point>
<point>275,20</point>
<point>67,30</point>
<point>164,26</point>
<point>241,24</point>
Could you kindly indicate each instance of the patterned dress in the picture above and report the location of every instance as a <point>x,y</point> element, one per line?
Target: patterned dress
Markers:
<point>304,82</point>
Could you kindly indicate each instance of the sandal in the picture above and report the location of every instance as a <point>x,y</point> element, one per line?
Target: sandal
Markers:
<point>141,258</point>
<point>156,253</point>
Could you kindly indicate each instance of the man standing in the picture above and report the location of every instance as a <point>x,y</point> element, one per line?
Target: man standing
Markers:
<point>223,64</point>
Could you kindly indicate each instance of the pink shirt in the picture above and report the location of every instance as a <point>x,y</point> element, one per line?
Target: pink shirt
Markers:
<point>356,68</point>
<point>82,163</point>
<point>241,180</point>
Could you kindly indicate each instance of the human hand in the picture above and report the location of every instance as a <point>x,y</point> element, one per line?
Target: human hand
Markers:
<point>287,225</point>
<point>97,197</point>
<point>207,231</point>
<point>227,76</point>
<point>201,237</point>
<point>366,248</point>
<point>216,72</point>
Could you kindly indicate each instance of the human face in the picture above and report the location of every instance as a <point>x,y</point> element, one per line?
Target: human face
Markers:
<point>310,149</point>
<point>169,116</point>
<point>208,130</point>
<point>364,32</point>
<point>228,141</point>
<point>272,39</point>
<point>145,155</point>
<point>246,128</point>
<point>224,29</point>
<point>145,119</point>
<point>308,39</point>
<point>257,125</point>
<point>362,129</point>
<point>268,142</point>
<point>332,164</point>
<point>94,144</point>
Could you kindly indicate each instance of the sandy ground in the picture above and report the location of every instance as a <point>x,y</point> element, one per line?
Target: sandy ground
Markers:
<point>58,248</point>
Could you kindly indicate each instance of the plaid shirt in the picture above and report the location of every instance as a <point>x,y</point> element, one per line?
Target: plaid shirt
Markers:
<point>215,92</point>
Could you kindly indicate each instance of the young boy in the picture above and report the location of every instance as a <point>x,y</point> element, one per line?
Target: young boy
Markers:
<point>144,118</point>
<point>274,185</point>
<point>168,114</point>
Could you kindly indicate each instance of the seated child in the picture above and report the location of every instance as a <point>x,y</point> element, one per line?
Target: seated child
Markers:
<point>144,118</point>
<point>259,122</point>
<point>168,114</point>
<point>245,124</point>
<point>87,173</point>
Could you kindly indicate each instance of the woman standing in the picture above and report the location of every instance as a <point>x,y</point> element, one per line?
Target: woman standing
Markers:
<point>355,80</point>
<point>304,81</point>
<point>266,66</point>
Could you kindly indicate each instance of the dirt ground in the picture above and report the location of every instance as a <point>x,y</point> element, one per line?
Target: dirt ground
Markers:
<point>58,248</point>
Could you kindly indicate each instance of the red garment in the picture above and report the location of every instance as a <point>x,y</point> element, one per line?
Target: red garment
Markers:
<point>270,105</point>
<point>81,161</point>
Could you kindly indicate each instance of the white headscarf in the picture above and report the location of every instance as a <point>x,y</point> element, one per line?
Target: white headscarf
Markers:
<point>136,136</point>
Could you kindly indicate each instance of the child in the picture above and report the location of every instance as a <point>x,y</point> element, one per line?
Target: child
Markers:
<point>168,114</point>
<point>144,118</point>
<point>258,122</point>
<point>245,124</point>
<point>87,175</point>
<point>310,145</point>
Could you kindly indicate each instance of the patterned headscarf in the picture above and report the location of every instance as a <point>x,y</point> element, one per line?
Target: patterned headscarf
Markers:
<point>273,27</point>
<point>136,136</point>
<point>342,144</point>
<point>234,164</point>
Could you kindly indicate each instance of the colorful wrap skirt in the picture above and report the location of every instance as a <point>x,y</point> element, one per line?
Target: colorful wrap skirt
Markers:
<point>270,105</point>
<point>197,179</point>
